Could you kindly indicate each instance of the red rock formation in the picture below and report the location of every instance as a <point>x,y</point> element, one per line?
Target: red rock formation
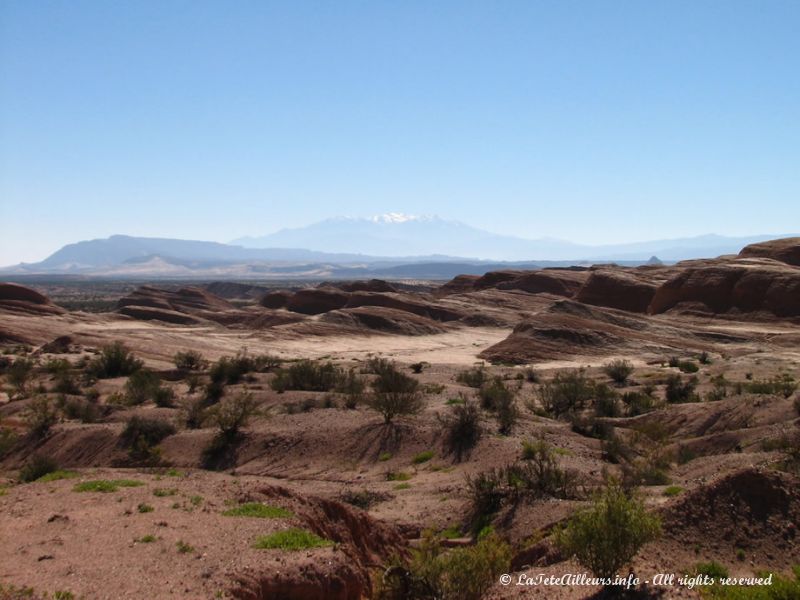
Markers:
<point>785,250</point>
<point>317,301</point>
<point>617,289</point>
<point>560,282</point>
<point>278,299</point>
<point>21,299</point>
<point>739,286</point>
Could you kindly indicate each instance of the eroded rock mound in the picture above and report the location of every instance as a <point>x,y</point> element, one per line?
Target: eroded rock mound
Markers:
<point>737,287</point>
<point>278,299</point>
<point>756,510</point>
<point>786,250</point>
<point>617,289</point>
<point>317,301</point>
<point>186,306</point>
<point>560,282</point>
<point>21,299</point>
<point>388,320</point>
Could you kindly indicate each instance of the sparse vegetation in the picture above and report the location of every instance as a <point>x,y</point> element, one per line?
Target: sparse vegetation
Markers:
<point>605,537</point>
<point>37,467</point>
<point>190,360</point>
<point>461,429</point>
<point>619,371</point>
<point>394,393</point>
<point>291,539</point>
<point>474,377</point>
<point>114,360</point>
<point>105,485</point>
<point>184,547</point>
<point>308,375</point>
<point>40,417</point>
<point>18,376</point>
<point>142,435</point>
<point>458,574</point>
<point>567,392</point>
<point>422,457</point>
<point>679,390</point>
<point>258,511</point>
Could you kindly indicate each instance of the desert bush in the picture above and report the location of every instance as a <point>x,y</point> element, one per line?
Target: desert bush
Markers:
<point>605,537</point>
<point>114,360</point>
<point>433,572</point>
<point>538,477</point>
<point>474,377</point>
<point>18,375</point>
<point>687,366</point>
<point>606,402</point>
<point>142,435</point>
<point>418,367</point>
<point>232,414</point>
<point>679,390</point>
<point>618,370</point>
<point>704,358</point>
<point>394,393</point>
<point>637,403</point>
<point>40,416</point>
<point>8,439</point>
<point>363,499</point>
<point>191,360</point>
<point>141,386</point>
<point>495,396</point>
<point>461,429</point>
<point>65,383</point>
<point>193,413</point>
<point>567,392</point>
<point>37,466</point>
<point>782,385</point>
<point>80,409</point>
<point>307,375</point>
<point>352,386</point>
<point>531,375</point>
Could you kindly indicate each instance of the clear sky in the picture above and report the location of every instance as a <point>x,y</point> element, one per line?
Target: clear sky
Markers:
<point>591,121</point>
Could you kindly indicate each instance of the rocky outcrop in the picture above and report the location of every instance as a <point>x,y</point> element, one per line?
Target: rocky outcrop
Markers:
<point>617,289</point>
<point>559,282</point>
<point>739,286</point>
<point>186,306</point>
<point>405,303</point>
<point>277,299</point>
<point>317,301</point>
<point>460,284</point>
<point>785,250</point>
<point>381,319</point>
<point>20,299</point>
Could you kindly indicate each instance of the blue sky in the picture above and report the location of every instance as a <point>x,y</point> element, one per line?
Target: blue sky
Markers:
<point>590,121</point>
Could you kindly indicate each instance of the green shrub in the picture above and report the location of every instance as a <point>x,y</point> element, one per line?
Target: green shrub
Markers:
<point>259,511</point>
<point>458,574</point>
<point>183,547</point>
<point>461,429</point>
<point>141,386</point>
<point>114,360</point>
<point>352,386</point>
<point>394,393</point>
<point>57,476</point>
<point>40,417</point>
<point>474,377</point>
<point>191,360</point>
<point>637,403</point>
<point>141,436</point>
<point>232,414</point>
<point>308,375</point>
<point>605,537</point>
<point>605,401</point>
<point>673,490</point>
<point>18,375</point>
<point>618,370</point>
<point>711,569</point>
<point>567,392</point>
<point>65,384</point>
<point>8,439</point>
<point>37,466</point>
<point>678,391</point>
<point>80,409</point>
<point>687,366</point>
<point>782,588</point>
<point>783,385</point>
<point>291,539</point>
<point>144,508</point>
<point>423,457</point>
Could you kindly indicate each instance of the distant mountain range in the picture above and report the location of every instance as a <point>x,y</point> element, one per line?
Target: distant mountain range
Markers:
<point>397,234</point>
<point>390,246</point>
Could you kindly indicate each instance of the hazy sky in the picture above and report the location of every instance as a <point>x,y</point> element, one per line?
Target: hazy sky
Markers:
<point>591,121</point>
